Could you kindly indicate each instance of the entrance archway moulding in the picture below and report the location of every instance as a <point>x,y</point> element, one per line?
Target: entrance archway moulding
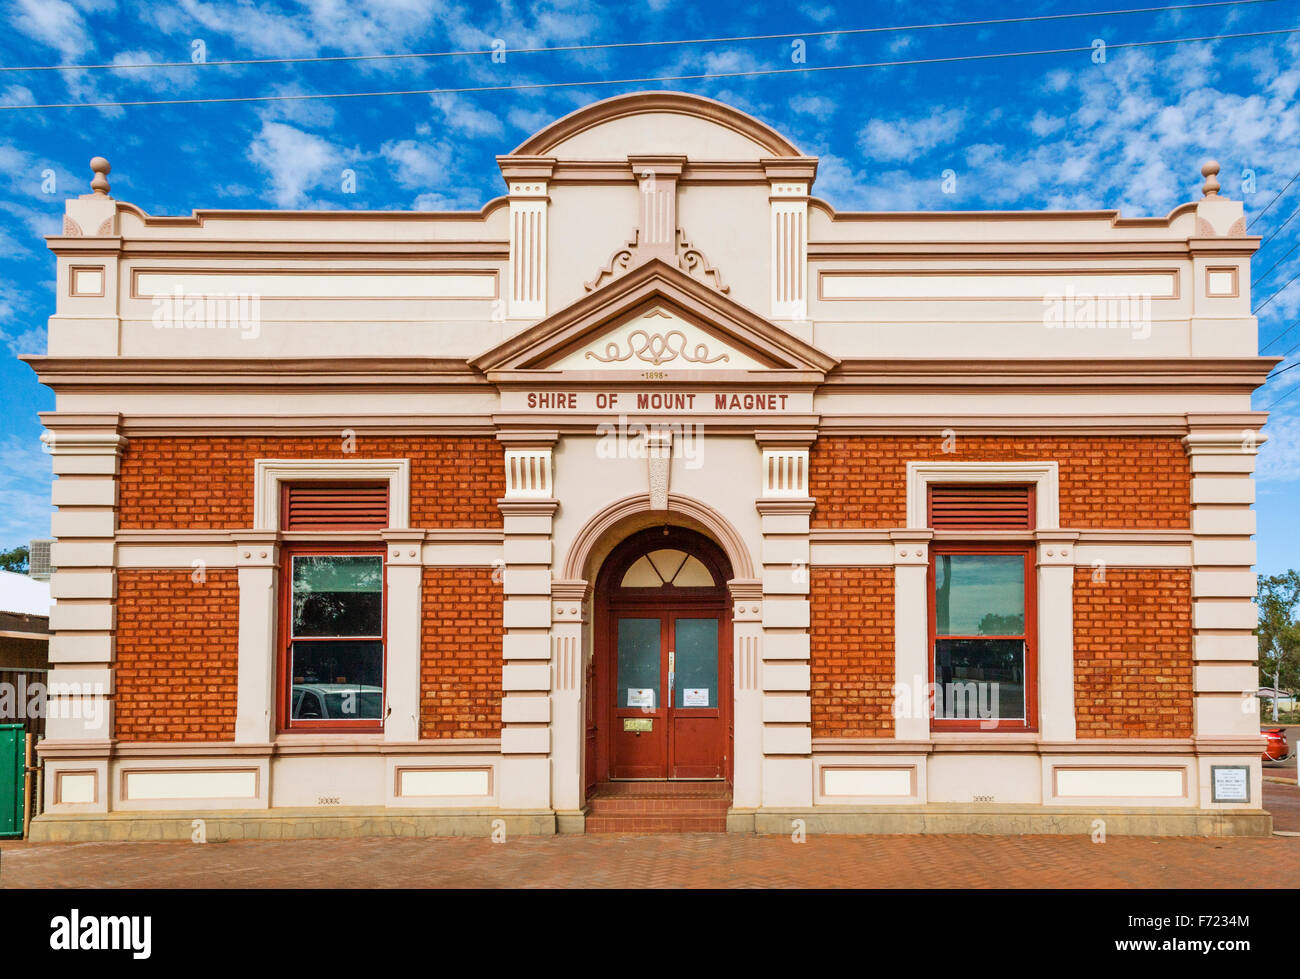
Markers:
<point>717,526</point>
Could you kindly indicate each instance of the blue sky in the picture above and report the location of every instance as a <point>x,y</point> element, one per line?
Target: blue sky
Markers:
<point>1052,131</point>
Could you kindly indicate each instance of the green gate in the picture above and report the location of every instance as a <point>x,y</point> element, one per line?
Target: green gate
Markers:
<point>11,780</point>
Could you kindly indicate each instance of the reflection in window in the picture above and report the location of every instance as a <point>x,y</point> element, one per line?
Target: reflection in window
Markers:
<point>980,641</point>
<point>336,654</point>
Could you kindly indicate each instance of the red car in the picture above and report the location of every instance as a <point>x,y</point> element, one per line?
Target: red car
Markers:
<point>1276,749</point>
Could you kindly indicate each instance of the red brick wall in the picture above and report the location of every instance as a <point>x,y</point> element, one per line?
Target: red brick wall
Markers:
<point>1133,653</point>
<point>207,483</point>
<point>852,652</point>
<point>1106,481</point>
<point>460,661</point>
<point>176,670</point>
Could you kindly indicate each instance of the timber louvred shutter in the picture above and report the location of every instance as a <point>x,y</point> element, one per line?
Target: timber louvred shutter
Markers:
<point>975,507</point>
<point>334,507</point>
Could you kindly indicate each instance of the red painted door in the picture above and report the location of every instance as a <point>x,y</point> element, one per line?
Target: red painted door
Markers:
<point>668,678</point>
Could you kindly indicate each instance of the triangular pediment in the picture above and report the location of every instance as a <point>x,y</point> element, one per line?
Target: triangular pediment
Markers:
<point>658,318</point>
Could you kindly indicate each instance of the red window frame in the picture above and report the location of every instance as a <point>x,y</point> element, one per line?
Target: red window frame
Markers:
<point>1029,552</point>
<point>285,722</point>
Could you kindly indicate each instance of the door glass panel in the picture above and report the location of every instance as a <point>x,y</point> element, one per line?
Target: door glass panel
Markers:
<point>697,663</point>
<point>638,663</point>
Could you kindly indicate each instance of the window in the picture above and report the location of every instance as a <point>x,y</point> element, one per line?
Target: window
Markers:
<point>333,612</point>
<point>982,623</point>
<point>667,566</point>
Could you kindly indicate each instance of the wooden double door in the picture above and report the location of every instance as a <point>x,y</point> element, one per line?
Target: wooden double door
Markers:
<point>662,670</point>
<point>668,719</point>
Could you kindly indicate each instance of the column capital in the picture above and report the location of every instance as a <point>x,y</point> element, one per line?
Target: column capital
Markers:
<point>405,547</point>
<point>66,442</point>
<point>911,546</point>
<point>790,169</point>
<point>528,508</point>
<point>785,507</point>
<point>256,549</point>
<point>785,438</point>
<point>1242,441</point>
<point>571,591</point>
<point>660,164</point>
<point>528,438</point>
<point>526,170</point>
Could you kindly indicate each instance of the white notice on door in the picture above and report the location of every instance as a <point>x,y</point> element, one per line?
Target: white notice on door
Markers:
<point>695,697</point>
<point>640,697</point>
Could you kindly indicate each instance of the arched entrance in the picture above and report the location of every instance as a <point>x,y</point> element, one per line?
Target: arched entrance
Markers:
<point>661,706</point>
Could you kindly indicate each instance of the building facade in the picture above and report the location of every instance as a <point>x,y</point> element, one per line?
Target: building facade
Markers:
<point>656,468</point>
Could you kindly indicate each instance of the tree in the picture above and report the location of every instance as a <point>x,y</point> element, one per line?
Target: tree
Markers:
<point>14,560</point>
<point>1278,632</point>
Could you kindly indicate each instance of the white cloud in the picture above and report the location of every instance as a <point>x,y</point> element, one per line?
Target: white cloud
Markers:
<point>56,24</point>
<point>906,139</point>
<point>422,163</point>
<point>813,105</point>
<point>465,118</point>
<point>530,120</point>
<point>819,15</point>
<point>25,474</point>
<point>295,161</point>
<point>1043,125</point>
<point>1279,456</point>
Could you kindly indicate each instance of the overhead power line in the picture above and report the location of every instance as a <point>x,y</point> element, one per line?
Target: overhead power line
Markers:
<point>635,44</point>
<point>1276,294</point>
<point>1282,371</point>
<point>1273,404</point>
<point>604,82</point>
<point>1274,200</point>
<point>1279,337</point>
<point>1279,227</point>
<point>1277,263</point>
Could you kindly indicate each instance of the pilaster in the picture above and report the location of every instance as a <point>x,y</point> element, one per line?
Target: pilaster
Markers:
<point>1223,582</point>
<point>1056,558</point>
<point>911,556</point>
<point>526,279</point>
<point>570,610</point>
<point>785,510</point>
<point>86,452</point>
<point>526,645</point>
<point>747,692</point>
<point>788,200</point>
<point>405,577</point>
<point>257,561</point>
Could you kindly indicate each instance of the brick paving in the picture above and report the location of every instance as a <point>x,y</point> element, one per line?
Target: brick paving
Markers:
<point>1283,801</point>
<point>648,861</point>
<point>692,860</point>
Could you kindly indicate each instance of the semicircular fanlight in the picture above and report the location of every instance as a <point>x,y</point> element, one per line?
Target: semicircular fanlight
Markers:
<point>667,566</point>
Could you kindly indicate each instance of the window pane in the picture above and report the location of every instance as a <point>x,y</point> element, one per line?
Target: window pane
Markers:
<point>979,595</point>
<point>697,663</point>
<point>337,680</point>
<point>979,679</point>
<point>338,595</point>
<point>638,663</point>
